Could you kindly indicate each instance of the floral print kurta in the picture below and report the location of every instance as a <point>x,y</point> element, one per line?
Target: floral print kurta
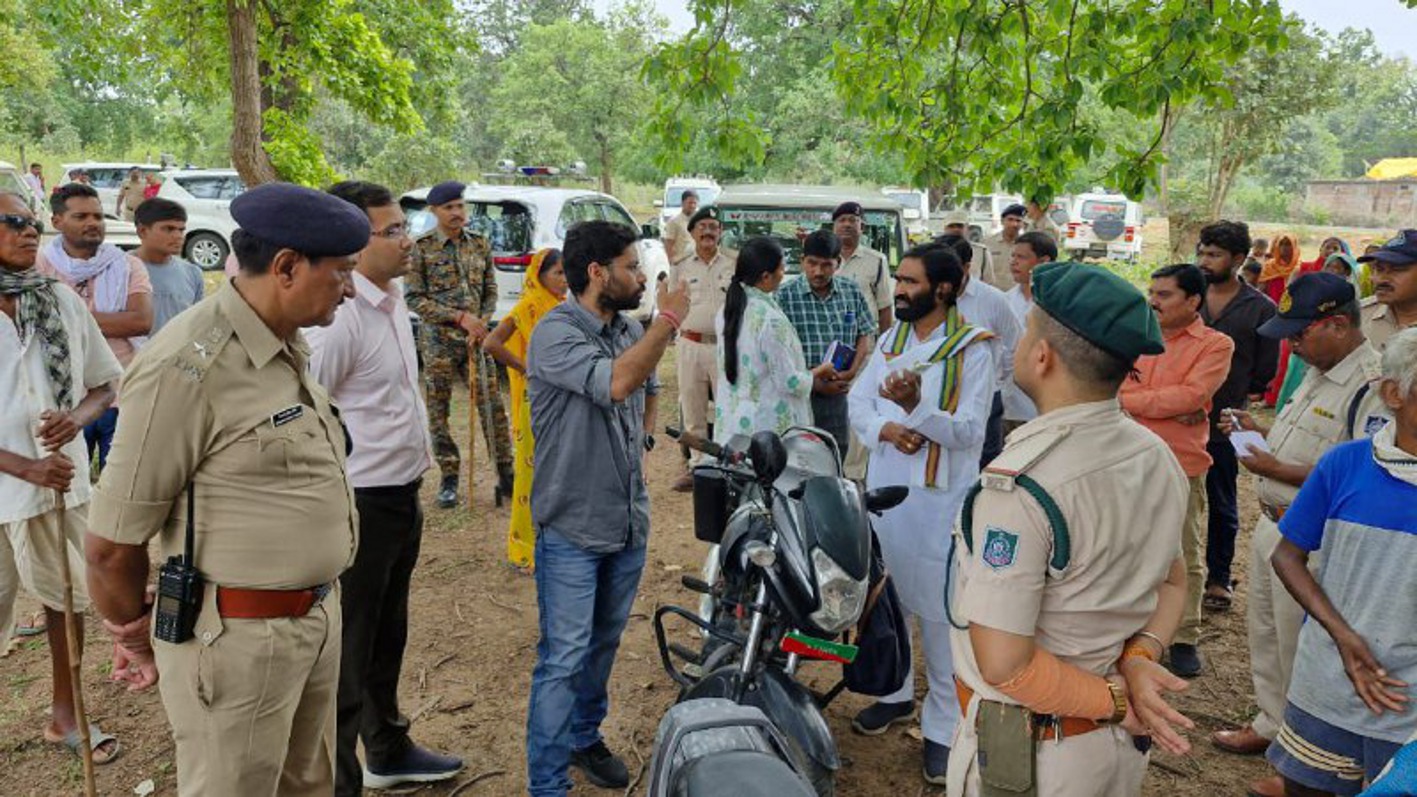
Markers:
<point>774,386</point>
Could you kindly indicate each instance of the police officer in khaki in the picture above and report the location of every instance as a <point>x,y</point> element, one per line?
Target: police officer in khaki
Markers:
<point>957,223</point>
<point>1064,601</point>
<point>452,286</point>
<point>230,421</point>
<point>706,272</point>
<point>1001,246</point>
<point>864,264</point>
<point>1393,305</point>
<point>678,243</point>
<point>1337,401</point>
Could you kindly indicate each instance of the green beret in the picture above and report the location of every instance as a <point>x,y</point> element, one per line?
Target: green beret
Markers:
<point>1100,306</point>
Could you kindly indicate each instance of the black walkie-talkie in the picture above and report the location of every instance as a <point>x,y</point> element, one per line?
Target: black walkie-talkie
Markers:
<point>179,586</point>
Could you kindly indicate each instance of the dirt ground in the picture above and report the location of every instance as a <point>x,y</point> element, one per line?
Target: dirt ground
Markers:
<point>472,646</point>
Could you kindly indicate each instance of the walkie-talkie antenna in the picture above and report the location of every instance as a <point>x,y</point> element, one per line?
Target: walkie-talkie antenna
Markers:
<point>191,541</point>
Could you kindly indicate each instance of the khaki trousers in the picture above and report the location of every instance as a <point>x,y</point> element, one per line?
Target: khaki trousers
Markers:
<point>1192,543</point>
<point>698,371</point>
<point>252,703</point>
<point>1103,763</point>
<point>1272,620</point>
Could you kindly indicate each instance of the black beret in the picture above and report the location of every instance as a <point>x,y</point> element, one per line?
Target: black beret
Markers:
<point>1101,307</point>
<point>313,223</point>
<point>445,192</point>
<point>848,209</point>
<point>1014,210</point>
<point>706,212</point>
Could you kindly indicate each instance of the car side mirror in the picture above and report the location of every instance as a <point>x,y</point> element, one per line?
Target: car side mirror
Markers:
<point>768,456</point>
<point>883,498</point>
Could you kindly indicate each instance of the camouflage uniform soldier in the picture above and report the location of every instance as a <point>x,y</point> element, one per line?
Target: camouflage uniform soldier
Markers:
<point>453,288</point>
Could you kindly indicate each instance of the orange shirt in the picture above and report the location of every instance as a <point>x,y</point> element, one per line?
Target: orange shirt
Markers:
<point>1180,381</point>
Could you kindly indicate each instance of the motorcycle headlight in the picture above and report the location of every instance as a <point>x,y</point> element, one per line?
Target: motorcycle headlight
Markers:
<point>842,597</point>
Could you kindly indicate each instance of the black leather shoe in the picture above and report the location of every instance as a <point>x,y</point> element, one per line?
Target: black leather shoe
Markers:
<point>601,767</point>
<point>937,761</point>
<point>878,717</point>
<point>1185,660</point>
<point>448,493</point>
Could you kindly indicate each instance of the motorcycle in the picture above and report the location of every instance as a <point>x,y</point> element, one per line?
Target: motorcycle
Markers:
<point>793,573</point>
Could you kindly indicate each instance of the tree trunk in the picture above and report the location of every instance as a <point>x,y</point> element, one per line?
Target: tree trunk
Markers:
<point>247,153</point>
<point>606,169</point>
<point>1183,234</point>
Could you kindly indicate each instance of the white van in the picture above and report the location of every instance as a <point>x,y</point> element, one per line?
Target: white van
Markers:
<point>12,179</point>
<point>1105,226</point>
<point>706,187</point>
<point>915,206</point>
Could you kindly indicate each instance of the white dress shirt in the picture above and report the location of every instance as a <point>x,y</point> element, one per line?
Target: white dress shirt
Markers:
<point>26,392</point>
<point>367,361</point>
<point>1017,405</point>
<point>983,305</point>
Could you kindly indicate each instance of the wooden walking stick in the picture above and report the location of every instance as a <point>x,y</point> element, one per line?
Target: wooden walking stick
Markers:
<point>472,379</point>
<point>71,642</point>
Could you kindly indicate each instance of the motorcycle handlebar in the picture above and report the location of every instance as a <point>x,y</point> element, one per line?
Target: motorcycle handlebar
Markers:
<point>704,446</point>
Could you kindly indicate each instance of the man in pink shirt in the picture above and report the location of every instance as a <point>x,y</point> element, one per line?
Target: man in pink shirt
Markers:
<point>1170,395</point>
<point>367,361</point>
<point>113,284</point>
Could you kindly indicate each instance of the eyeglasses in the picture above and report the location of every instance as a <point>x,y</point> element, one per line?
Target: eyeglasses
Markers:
<point>18,223</point>
<point>391,232</point>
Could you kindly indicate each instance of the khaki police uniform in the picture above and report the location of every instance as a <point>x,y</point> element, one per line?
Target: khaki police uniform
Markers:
<point>1001,253</point>
<point>220,403</point>
<point>698,344</point>
<point>1103,471</point>
<point>678,243</point>
<point>450,277</point>
<point>1046,225</point>
<point>873,276</point>
<point>1315,420</point>
<point>1379,323</point>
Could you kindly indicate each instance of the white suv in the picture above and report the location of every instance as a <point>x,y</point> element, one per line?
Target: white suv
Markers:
<point>1104,226</point>
<point>519,220</point>
<point>106,178</point>
<point>206,195</point>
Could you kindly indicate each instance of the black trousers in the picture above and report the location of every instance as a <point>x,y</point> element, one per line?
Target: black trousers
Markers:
<point>1224,520</point>
<point>993,432</point>
<point>830,415</point>
<point>374,597</point>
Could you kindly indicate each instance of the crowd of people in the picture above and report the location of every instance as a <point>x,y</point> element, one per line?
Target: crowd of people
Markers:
<point>1066,439</point>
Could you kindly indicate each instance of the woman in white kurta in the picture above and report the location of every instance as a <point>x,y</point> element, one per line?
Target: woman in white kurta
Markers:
<point>942,439</point>
<point>763,381</point>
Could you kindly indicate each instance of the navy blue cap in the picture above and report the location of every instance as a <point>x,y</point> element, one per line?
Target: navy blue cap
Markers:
<point>1400,251</point>
<point>1308,298</point>
<point>313,223</point>
<point>1014,210</point>
<point>706,212</point>
<point>848,209</point>
<point>445,192</point>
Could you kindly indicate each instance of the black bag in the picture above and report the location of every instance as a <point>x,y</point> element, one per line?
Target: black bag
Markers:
<point>882,638</point>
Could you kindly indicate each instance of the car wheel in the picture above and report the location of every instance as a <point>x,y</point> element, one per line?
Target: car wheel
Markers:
<point>207,250</point>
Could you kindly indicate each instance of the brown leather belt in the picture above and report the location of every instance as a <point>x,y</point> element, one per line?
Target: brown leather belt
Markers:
<point>1046,727</point>
<point>1274,513</point>
<point>698,337</point>
<point>234,603</point>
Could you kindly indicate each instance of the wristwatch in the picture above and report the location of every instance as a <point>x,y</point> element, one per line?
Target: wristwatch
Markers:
<point>649,442</point>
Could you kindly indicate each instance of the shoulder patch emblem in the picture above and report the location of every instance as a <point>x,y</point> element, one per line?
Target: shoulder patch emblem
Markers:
<point>1374,424</point>
<point>1000,548</point>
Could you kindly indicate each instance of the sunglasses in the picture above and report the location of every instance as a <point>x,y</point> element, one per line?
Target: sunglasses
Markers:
<point>18,223</point>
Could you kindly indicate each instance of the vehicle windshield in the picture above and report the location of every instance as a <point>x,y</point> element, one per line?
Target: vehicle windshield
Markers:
<point>907,199</point>
<point>10,182</point>
<point>507,226</point>
<point>707,194</point>
<point>785,225</point>
<point>1092,209</point>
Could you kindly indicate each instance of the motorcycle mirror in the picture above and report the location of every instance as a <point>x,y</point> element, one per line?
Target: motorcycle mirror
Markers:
<point>883,498</point>
<point>768,455</point>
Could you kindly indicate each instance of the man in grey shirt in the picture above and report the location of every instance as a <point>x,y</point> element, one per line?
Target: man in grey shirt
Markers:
<point>177,284</point>
<point>592,388</point>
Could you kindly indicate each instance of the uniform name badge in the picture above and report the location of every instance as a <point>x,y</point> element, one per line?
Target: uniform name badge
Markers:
<point>1000,548</point>
<point>287,415</point>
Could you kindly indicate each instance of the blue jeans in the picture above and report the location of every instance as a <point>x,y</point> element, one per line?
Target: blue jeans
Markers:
<point>584,601</point>
<point>99,434</point>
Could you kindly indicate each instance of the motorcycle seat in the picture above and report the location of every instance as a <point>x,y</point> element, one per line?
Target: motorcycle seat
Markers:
<point>740,773</point>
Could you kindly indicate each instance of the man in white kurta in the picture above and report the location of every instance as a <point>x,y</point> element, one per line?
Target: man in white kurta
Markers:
<point>922,403</point>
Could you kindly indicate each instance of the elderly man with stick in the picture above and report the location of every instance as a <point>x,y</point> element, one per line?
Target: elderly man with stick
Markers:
<point>56,376</point>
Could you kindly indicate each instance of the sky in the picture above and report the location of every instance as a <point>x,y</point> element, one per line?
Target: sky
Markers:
<point>1388,19</point>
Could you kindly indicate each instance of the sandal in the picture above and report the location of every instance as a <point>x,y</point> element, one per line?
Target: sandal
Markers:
<point>35,625</point>
<point>1218,598</point>
<point>97,740</point>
